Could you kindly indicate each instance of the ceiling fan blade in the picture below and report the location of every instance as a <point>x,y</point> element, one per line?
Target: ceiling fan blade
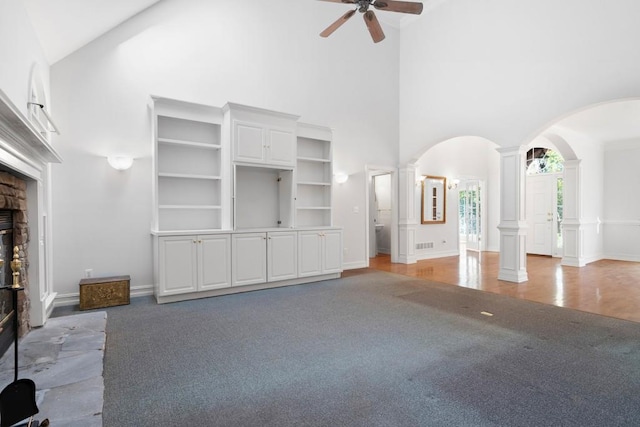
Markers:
<point>398,6</point>
<point>331,28</point>
<point>341,1</point>
<point>374,26</point>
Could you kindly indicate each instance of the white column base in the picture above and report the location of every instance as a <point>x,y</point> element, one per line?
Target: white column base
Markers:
<point>513,255</point>
<point>572,238</point>
<point>407,244</point>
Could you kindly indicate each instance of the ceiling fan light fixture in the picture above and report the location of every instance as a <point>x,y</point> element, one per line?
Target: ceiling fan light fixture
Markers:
<point>370,18</point>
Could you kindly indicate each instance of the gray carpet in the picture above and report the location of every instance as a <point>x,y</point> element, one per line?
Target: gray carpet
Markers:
<point>373,349</point>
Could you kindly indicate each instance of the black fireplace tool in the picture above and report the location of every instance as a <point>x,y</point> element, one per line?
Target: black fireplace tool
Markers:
<point>18,399</point>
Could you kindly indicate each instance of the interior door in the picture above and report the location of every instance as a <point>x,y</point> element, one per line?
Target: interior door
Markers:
<point>473,215</point>
<point>541,192</point>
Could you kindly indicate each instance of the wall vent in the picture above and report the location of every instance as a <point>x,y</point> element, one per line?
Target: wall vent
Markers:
<point>426,245</point>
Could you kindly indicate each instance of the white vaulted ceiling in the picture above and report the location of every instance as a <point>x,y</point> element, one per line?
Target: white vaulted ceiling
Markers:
<point>610,122</point>
<point>64,26</point>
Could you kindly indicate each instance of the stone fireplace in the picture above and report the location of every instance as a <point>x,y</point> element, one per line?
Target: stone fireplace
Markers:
<point>14,232</point>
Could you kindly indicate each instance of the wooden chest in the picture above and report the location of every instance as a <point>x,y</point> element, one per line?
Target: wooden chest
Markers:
<point>102,292</point>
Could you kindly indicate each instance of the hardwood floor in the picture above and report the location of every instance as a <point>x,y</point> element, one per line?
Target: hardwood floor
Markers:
<point>610,288</point>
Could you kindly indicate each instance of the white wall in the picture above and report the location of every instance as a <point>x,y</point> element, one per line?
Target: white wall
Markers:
<point>20,51</point>
<point>267,55</point>
<point>460,158</point>
<point>505,70</point>
<point>621,202</point>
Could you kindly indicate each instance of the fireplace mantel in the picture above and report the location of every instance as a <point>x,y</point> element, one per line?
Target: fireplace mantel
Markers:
<point>26,153</point>
<point>18,134</point>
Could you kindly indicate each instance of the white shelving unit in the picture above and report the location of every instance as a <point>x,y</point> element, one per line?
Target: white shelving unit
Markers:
<point>241,200</point>
<point>189,167</point>
<point>313,176</point>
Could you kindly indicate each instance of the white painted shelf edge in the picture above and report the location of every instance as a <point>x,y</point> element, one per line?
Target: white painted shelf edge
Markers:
<point>189,176</point>
<point>326,184</point>
<point>204,207</point>
<point>313,208</point>
<point>186,143</point>
<point>314,159</point>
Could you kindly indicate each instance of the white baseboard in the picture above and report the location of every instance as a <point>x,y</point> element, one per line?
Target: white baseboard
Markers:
<point>440,254</point>
<point>623,257</point>
<point>354,265</point>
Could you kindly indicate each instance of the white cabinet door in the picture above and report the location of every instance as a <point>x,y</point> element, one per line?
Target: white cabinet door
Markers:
<point>280,147</point>
<point>177,265</point>
<point>282,255</point>
<point>248,142</point>
<point>332,251</point>
<point>249,259</point>
<point>257,143</point>
<point>320,252</point>
<point>309,253</point>
<point>214,262</point>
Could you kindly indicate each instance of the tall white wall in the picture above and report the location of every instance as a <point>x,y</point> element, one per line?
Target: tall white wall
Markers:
<point>19,52</point>
<point>505,70</point>
<point>621,203</point>
<point>265,54</point>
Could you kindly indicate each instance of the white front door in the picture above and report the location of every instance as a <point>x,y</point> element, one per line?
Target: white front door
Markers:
<point>541,196</point>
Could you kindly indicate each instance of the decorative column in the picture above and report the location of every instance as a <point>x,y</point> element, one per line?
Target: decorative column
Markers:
<point>407,219</point>
<point>513,224</point>
<point>572,228</point>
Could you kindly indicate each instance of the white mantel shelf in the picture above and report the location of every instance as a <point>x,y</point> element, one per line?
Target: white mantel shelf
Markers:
<point>21,137</point>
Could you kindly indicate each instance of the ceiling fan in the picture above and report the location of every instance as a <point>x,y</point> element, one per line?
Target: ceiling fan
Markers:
<point>370,19</point>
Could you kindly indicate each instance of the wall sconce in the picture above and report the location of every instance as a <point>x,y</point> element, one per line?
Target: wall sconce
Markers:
<point>120,163</point>
<point>341,177</point>
<point>453,184</point>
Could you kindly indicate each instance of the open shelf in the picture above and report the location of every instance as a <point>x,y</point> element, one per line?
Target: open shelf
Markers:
<point>190,144</point>
<point>311,149</point>
<point>189,218</point>
<point>314,183</point>
<point>313,159</point>
<point>188,168</point>
<point>188,176</point>
<point>313,177</point>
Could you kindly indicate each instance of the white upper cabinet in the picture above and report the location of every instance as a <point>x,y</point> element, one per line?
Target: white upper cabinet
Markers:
<point>261,136</point>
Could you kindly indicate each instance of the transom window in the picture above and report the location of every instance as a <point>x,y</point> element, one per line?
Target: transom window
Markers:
<point>543,160</point>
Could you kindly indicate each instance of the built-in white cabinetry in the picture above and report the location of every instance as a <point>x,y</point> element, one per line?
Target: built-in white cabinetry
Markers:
<point>193,263</point>
<point>264,257</point>
<point>261,136</point>
<point>190,167</point>
<point>249,258</point>
<point>319,252</point>
<point>313,176</point>
<point>282,255</point>
<point>241,200</point>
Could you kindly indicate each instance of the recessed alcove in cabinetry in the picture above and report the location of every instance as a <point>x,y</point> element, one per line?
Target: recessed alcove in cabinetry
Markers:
<point>263,197</point>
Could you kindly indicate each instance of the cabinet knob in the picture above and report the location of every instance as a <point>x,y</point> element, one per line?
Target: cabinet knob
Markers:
<point>195,241</point>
